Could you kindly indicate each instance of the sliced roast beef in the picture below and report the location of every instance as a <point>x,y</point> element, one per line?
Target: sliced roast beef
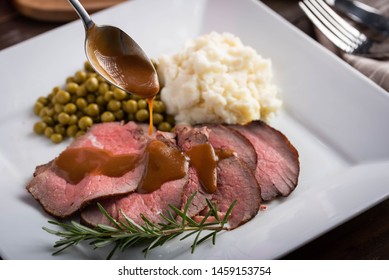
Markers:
<point>224,139</point>
<point>151,204</point>
<point>277,166</point>
<point>236,181</point>
<point>187,138</point>
<point>62,198</point>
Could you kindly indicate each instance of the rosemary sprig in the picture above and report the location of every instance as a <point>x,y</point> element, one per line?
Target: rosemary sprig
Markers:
<point>127,234</point>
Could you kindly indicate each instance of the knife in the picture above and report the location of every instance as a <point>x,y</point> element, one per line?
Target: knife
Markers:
<point>363,14</point>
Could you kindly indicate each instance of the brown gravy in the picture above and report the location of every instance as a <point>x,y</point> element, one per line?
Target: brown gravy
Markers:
<point>204,161</point>
<point>77,163</point>
<point>164,164</point>
<point>151,123</point>
<point>112,51</point>
<point>222,153</point>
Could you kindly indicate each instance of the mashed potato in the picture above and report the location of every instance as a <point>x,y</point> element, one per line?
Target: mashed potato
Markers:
<point>216,79</point>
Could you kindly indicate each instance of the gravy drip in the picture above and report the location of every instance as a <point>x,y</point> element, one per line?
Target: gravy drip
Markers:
<point>204,161</point>
<point>223,153</point>
<point>163,164</point>
<point>77,163</point>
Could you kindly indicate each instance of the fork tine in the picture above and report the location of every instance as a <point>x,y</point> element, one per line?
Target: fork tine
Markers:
<point>339,22</point>
<point>340,32</point>
<point>330,33</point>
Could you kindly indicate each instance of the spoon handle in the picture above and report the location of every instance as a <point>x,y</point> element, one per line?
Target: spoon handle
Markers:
<point>82,13</point>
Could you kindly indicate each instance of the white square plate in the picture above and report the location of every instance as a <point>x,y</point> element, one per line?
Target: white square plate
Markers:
<point>333,115</point>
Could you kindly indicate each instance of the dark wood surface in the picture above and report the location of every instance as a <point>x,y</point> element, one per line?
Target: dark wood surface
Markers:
<point>364,237</point>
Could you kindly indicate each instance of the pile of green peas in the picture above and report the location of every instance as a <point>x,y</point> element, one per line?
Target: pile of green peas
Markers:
<point>87,99</point>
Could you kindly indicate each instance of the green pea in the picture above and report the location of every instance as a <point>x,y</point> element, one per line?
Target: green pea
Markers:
<point>62,97</point>
<point>46,112</point>
<point>72,130</point>
<point>43,100</point>
<point>92,110</point>
<point>100,100</point>
<point>101,79</point>
<point>58,108</point>
<point>56,138</point>
<point>59,128</point>
<point>48,120</point>
<point>157,118</point>
<point>88,66</point>
<point>72,87</point>
<point>142,104</point>
<point>107,117</point>
<point>39,127</point>
<point>142,115</point>
<point>108,95</point>
<point>48,131</point>
<point>119,94</point>
<point>130,106</point>
<point>92,84</point>
<point>80,76</point>
<point>81,91</point>
<point>92,75</point>
<point>73,119</point>
<point>69,79</point>
<point>114,105</point>
<point>103,87</point>
<point>70,108</point>
<point>55,89</point>
<point>164,126</point>
<point>81,103</point>
<point>38,107</point>
<point>159,106</point>
<point>119,115</point>
<point>85,122</point>
<point>63,118</point>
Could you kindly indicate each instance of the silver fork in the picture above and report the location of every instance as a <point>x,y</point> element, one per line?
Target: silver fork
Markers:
<point>341,33</point>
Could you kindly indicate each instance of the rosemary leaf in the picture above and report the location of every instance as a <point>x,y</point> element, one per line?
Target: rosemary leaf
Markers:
<point>103,243</point>
<point>106,228</point>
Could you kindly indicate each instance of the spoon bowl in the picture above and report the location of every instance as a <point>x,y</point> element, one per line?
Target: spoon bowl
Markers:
<point>117,57</point>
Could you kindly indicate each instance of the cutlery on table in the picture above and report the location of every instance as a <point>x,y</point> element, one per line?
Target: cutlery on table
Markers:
<point>341,33</point>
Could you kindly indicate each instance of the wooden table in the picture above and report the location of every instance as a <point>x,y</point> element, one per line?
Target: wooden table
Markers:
<point>363,237</point>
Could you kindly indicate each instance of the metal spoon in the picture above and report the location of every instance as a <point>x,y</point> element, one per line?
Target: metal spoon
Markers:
<point>117,57</point>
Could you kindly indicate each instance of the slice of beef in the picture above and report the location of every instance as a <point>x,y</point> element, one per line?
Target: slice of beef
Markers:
<point>224,139</point>
<point>277,167</point>
<point>187,137</point>
<point>236,181</point>
<point>62,198</point>
<point>151,205</point>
